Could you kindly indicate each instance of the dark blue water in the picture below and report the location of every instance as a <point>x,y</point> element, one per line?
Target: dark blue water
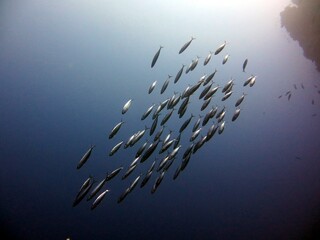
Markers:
<point>67,68</point>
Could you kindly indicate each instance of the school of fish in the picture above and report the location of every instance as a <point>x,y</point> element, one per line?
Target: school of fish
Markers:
<point>167,149</point>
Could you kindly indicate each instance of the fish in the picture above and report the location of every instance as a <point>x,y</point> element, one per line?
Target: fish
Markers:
<point>212,130</point>
<point>280,96</point>
<point>253,81</point>
<point>194,135</point>
<point>192,89</point>
<point>174,152</point>
<point>158,134</point>
<point>149,151</point>
<point>186,123</point>
<point>99,199</point>
<point>114,173</point>
<point>85,157</point>
<point>149,110</point>
<point>239,101</point>
<point>302,86</point>
<point>295,86</point>
<point>210,77</point>
<point>244,65</point>
<point>123,195</point>
<point>220,48</point>
<point>168,164</point>
<point>85,184</point>
<point>154,125</point>
<point>207,117</point>
<point>205,91</point>
<point>194,64</point>
<point>177,172</point>
<point>115,129</point>
<point>289,96</point>
<point>312,101</point>
<point>165,84</point>
<point>199,144</point>
<point>206,61</point>
<point>166,117</point>
<point>227,86</point>
<point>148,175</point>
<point>185,161</point>
<point>226,96</point>
<point>205,103</point>
<point>83,192</point>
<point>129,171</point>
<point>115,148</point>
<point>156,56</point>
<point>184,47</point>
<point>211,92</point>
<point>236,114</point>
<point>188,150</point>
<point>135,161</point>
<point>157,182</point>
<point>166,139</point>
<point>248,81</point>
<point>221,112</point>
<point>225,59</point>
<point>221,117</point>
<point>166,146</point>
<point>162,163</point>
<point>152,86</point>
<point>126,106</point>
<point>129,141</point>
<point>221,127</point>
<point>196,124</point>
<point>178,76</point>
<point>183,105</point>
<point>176,143</point>
<point>134,183</point>
<point>97,189</point>
<point>141,149</point>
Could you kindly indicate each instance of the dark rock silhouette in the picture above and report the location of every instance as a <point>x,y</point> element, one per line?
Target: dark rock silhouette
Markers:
<point>302,21</point>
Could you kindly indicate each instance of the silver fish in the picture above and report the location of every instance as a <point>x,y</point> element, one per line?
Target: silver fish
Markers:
<point>149,151</point>
<point>115,129</point>
<point>134,183</point>
<point>123,195</point>
<point>248,81</point>
<point>176,79</point>
<point>236,114</point>
<point>166,117</point>
<point>141,149</point>
<point>212,130</point>
<point>205,91</point>
<point>221,127</point>
<point>226,96</point>
<point>208,79</point>
<point>113,173</point>
<point>154,125</point>
<point>157,182</point>
<point>156,56</point>
<point>115,148</point>
<point>126,106</point>
<point>83,192</point>
<point>211,92</point>
<point>220,48</point>
<point>205,103</point>
<point>158,134</point>
<point>152,86</point>
<point>186,123</point>
<point>184,47</point>
<point>148,175</point>
<point>244,65</point>
<point>206,61</point>
<point>225,59</point>
<point>85,157</point>
<point>195,135</point>
<point>146,114</point>
<point>196,124</point>
<point>165,84</point>
<point>98,199</point>
<point>253,80</point>
<point>239,101</point>
<point>129,171</point>
<point>97,189</point>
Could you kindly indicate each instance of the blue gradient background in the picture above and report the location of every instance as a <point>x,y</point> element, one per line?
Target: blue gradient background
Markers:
<point>67,68</point>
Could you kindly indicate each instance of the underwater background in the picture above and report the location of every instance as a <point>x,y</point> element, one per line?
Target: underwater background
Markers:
<point>68,67</point>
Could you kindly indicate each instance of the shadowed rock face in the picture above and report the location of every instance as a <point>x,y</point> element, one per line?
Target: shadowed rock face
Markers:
<point>302,21</point>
